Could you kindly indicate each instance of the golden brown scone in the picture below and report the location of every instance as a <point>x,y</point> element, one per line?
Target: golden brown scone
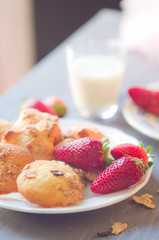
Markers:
<point>37,131</point>
<point>41,121</point>
<point>80,173</point>
<point>50,184</point>
<point>12,160</point>
<point>4,127</point>
<point>84,131</point>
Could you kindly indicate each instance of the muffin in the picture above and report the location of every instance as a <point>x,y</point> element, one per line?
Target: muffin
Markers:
<point>50,184</point>
<point>12,160</point>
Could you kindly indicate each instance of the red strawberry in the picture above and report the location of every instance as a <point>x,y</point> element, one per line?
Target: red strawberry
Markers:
<point>86,153</point>
<point>146,99</point>
<point>57,105</point>
<point>37,104</point>
<point>120,174</point>
<point>131,150</point>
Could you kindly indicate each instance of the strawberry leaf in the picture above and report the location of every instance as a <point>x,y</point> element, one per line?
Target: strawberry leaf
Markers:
<point>109,161</point>
<point>105,148</point>
<point>104,145</point>
<point>105,151</point>
<point>141,144</point>
<point>150,164</point>
<point>149,149</point>
<point>105,140</point>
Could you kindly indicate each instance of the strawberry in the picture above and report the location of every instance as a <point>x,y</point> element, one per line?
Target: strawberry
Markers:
<point>122,173</point>
<point>89,154</point>
<point>37,104</point>
<point>131,150</point>
<point>57,105</point>
<point>146,99</point>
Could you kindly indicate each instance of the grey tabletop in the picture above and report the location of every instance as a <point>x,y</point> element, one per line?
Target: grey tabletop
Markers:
<point>49,77</point>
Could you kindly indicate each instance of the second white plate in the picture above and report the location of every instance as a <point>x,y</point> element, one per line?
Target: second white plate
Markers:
<point>142,121</point>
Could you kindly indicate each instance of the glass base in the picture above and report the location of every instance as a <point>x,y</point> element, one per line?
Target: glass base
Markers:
<point>104,114</point>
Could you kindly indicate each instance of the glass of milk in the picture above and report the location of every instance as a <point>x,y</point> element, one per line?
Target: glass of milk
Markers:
<point>95,68</point>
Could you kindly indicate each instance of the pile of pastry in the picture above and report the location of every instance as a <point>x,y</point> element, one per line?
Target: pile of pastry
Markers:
<point>28,164</point>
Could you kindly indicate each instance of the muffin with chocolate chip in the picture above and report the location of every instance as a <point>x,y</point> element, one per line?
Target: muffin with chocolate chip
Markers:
<point>12,160</point>
<point>50,184</point>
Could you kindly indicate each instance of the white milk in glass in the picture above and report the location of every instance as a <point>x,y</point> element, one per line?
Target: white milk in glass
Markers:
<point>95,82</point>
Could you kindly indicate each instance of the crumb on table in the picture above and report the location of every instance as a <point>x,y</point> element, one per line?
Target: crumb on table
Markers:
<point>118,227</point>
<point>145,199</point>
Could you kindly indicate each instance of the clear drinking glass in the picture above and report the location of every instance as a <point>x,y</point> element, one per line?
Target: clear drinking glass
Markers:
<point>96,68</point>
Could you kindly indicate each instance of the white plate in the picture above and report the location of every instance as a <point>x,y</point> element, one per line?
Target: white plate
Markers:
<point>141,120</point>
<point>89,201</point>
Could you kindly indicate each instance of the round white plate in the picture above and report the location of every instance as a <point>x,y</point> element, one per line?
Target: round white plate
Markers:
<point>89,201</point>
<point>142,121</point>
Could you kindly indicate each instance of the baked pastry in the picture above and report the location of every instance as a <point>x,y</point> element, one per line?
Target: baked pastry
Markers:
<point>41,121</point>
<point>50,184</point>
<point>37,131</point>
<point>90,176</point>
<point>4,127</point>
<point>84,131</point>
<point>65,140</point>
<point>12,160</point>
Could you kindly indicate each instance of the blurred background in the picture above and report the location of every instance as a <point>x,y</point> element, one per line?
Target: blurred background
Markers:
<point>30,29</point>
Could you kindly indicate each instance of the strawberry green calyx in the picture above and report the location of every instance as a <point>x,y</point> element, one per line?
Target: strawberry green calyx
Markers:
<point>148,150</point>
<point>139,163</point>
<point>106,149</point>
<point>149,164</point>
<point>60,109</point>
<point>57,105</point>
<point>141,144</point>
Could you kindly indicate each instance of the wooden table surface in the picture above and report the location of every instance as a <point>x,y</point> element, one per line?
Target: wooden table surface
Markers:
<point>49,77</point>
